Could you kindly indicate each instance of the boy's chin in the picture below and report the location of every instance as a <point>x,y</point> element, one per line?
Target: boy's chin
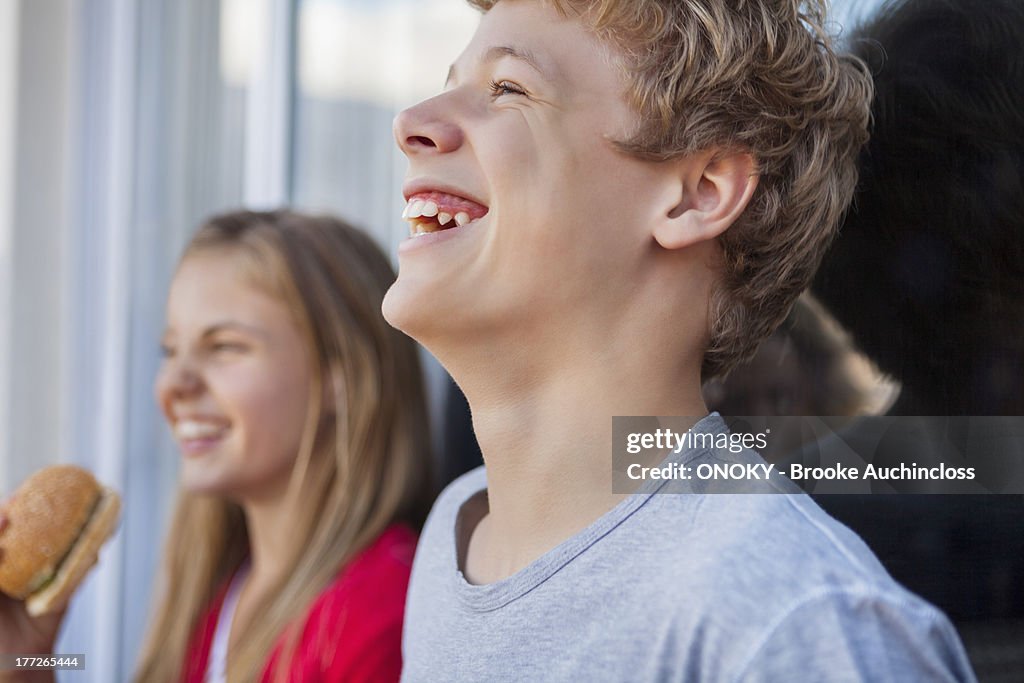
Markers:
<point>399,307</point>
<point>410,310</point>
<point>435,321</point>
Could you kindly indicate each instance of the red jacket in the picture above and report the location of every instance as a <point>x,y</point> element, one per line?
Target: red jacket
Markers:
<point>353,629</point>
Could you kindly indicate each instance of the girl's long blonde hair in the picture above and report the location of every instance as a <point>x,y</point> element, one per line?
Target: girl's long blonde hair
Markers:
<point>364,459</point>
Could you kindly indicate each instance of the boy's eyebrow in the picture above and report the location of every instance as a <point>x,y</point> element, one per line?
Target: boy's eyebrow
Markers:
<point>497,52</point>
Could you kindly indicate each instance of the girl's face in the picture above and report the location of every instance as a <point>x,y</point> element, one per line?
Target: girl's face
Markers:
<point>235,382</point>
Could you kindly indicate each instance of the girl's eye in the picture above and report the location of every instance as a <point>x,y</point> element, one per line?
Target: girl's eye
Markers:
<point>166,351</point>
<point>227,347</point>
<point>499,88</point>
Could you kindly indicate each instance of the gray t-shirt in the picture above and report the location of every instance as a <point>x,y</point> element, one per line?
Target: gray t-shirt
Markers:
<point>673,587</point>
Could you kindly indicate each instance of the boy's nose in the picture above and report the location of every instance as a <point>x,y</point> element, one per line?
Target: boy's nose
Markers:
<point>425,128</point>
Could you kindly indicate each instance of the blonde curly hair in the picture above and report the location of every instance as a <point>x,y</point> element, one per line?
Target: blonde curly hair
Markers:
<point>755,76</point>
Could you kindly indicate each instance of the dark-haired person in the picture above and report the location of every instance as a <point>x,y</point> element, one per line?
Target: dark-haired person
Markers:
<point>928,269</point>
<point>928,274</point>
<point>608,201</point>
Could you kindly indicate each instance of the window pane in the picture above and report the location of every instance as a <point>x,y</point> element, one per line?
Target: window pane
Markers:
<point>359,63</point>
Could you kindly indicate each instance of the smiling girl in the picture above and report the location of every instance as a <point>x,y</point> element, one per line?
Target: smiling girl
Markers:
<point>300,418</point>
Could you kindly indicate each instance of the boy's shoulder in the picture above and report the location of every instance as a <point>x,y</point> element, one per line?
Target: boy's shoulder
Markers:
<point>741,543</point>
<point>777,573</point>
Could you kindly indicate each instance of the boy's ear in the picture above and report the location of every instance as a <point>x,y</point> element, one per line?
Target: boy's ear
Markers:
<point>716,188</point>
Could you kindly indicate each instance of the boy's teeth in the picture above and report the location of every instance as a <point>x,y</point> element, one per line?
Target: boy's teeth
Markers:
<point>423,208</point>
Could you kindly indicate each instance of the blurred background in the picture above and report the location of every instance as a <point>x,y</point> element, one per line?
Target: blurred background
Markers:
<point>123,123</point>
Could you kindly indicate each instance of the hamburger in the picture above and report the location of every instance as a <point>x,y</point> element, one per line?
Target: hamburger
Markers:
<point>57,521</point>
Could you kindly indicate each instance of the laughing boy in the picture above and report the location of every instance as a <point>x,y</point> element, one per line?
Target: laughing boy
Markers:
<point>609,202</point>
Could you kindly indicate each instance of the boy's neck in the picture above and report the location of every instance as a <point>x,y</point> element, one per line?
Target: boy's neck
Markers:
<point>547,446</point>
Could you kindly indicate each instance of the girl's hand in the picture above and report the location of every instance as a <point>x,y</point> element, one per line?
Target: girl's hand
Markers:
<point>19,632</point>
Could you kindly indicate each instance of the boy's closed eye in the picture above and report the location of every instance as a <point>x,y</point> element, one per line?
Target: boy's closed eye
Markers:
<point>505,87</point>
